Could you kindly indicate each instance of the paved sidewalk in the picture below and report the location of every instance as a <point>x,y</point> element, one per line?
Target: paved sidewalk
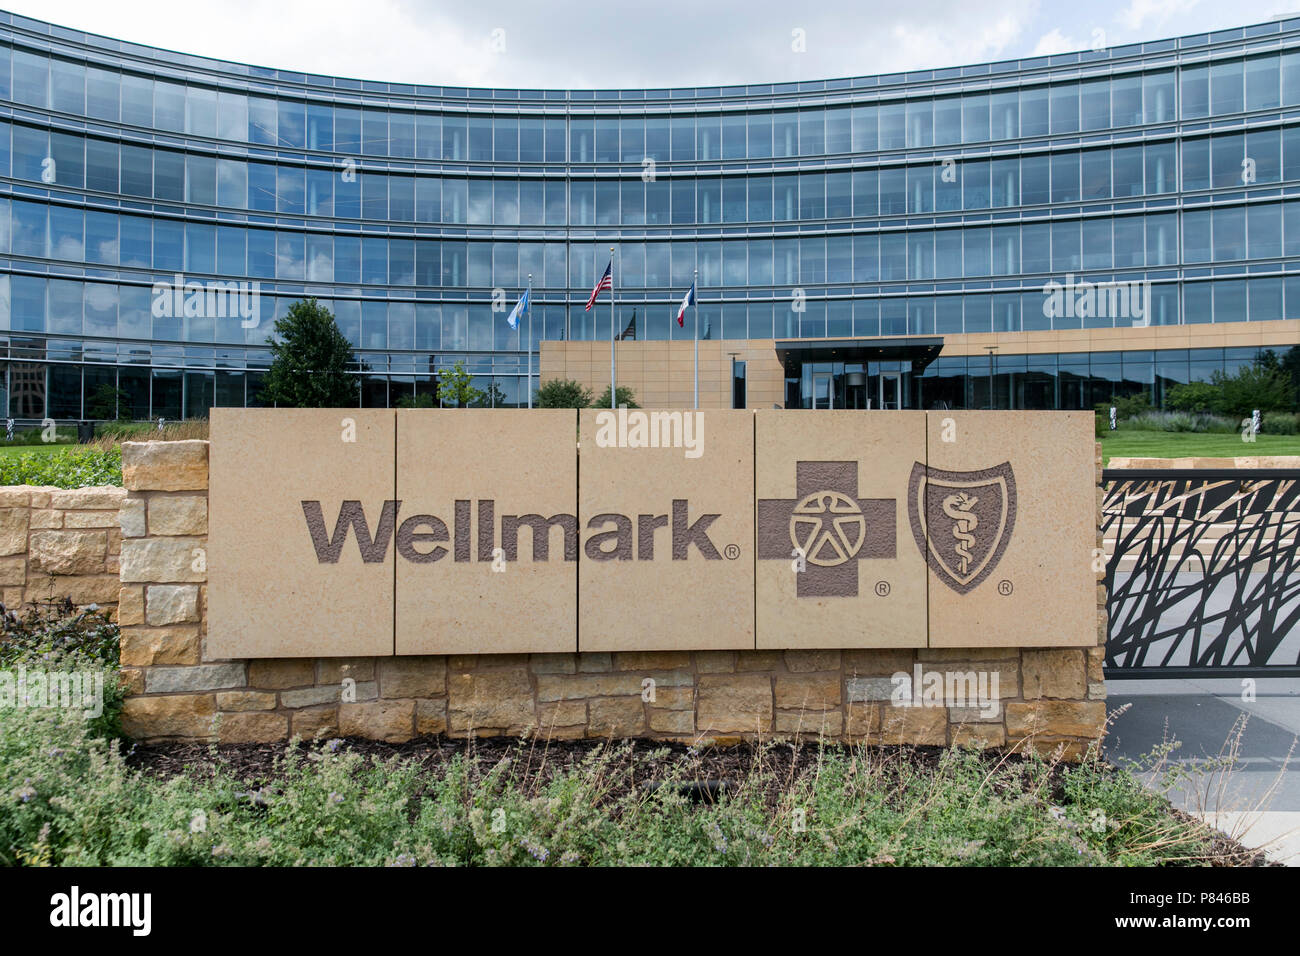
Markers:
<point>1258,801</point>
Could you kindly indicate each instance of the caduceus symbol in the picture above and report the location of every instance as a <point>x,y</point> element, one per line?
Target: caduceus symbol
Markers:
<point>958,507</point>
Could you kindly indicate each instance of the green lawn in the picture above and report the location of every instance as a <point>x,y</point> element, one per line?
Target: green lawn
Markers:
<point>1119,444</point>
<point>12,450</point>
<point>1138,444</point>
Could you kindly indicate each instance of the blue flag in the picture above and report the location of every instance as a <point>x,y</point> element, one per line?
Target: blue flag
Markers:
<point>520,309</point>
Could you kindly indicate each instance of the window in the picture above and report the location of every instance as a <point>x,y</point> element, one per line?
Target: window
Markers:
<point>1065,107</point>
<point>1033,111</point>
<point>1094,104</point>
<point>975,119</point>
<point>1158,97</point>
<point>1195,92</point>
<point>1263,83</point>
<point>1226,87</point>
<point>1065,177</point>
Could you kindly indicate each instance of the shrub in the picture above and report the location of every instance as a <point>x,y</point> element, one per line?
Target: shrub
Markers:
<point>625,397</point>
<point>1192,397</point>
<point>77,803</point>
<point>186,429</point>
<point>564,393</point>
<point>58,630</point>
<point>1279,423</point>
<point>75,468</point>
<point>1252,387</point>
<point>1155,421</point>
<point>1126,406</point>
<point>56,638</point>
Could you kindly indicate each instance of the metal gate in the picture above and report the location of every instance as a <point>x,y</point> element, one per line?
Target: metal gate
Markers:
<point>1203,572</point>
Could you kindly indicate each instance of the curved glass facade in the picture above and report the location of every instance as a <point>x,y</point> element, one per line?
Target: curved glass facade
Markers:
<point>921,204</point>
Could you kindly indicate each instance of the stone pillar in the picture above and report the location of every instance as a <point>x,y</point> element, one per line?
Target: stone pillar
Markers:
<point>164,526</point>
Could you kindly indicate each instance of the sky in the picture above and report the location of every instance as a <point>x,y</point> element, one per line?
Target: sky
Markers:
<point>577,44</point>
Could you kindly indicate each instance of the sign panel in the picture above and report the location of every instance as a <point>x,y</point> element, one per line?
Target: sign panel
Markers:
<point>355,532</point>
<point>300,558</point>
<point>487,539</point>
<point>666,502</point>
<point>1005,511</point>
<point>833,568</point>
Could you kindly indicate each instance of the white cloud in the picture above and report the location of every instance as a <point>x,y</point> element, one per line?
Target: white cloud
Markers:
<point>953,40</point>
<point>1055,42</point>
<point>564,43</point>
<point>1141,12</point>
<point>580,44</point>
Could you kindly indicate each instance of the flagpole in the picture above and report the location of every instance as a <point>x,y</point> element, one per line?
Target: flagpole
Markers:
<point>530,340</point>
<point>613,371</point>
<point>696,309</point>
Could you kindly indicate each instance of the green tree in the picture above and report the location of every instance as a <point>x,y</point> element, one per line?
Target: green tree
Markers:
<point>1127,406</point>
<point>1193,397</point>
<point>309,361</point>
<point>1255,386</point>
<point>108,401</point>
<point>564,393</point>
<point>625,397</point>
<point>456,387</point>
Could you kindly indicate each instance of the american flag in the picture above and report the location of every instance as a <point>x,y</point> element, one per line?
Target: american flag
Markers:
<point>606,282</point>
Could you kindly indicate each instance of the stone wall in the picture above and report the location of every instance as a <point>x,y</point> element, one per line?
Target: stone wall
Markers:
<point>1049,698</point>
<point>57,544</point>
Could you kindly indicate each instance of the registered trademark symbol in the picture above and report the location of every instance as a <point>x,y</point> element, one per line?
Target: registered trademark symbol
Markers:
<point>732,551</point>
<point>882,588</point>
<point>1004,587</point>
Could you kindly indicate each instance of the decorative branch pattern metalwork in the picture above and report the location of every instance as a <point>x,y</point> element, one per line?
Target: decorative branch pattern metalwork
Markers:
<point>1203,573</point>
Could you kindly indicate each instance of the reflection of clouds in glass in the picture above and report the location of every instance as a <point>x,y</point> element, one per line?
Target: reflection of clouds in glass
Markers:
<point>70,248</point>
<point>289,260</point>
<point>101,297</point>
<point>480,209</point>
<point>101,309</point>
<point>320,268</point>
<point>106,251</point>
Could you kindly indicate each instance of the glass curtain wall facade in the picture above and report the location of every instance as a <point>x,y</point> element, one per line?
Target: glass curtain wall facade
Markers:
<point>926,203</point>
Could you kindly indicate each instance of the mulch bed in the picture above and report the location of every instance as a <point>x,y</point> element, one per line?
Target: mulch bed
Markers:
<point>707,769</point>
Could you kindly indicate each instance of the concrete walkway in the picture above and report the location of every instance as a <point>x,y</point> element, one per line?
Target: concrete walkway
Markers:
<point>1257,799</point>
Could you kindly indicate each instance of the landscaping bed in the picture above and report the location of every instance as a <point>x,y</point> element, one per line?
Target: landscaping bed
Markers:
<point>74,792</point>
<point>587,802</point>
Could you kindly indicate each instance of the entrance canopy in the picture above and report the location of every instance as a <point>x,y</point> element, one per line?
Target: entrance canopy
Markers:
<point>920,351</point>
